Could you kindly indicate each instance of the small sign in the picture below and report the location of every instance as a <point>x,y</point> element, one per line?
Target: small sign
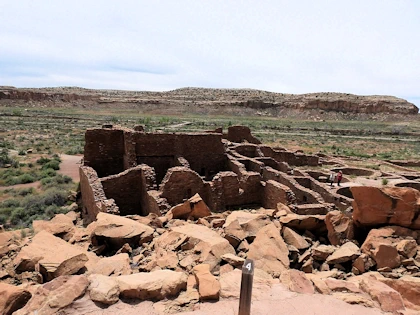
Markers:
<point>246,287</point>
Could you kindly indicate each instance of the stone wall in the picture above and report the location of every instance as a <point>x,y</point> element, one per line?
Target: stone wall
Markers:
<point>93,196</point>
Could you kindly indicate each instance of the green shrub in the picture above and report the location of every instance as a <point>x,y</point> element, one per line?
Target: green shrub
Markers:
<point>53,164</point>
<point>384,181</point>
<point>42,160</point>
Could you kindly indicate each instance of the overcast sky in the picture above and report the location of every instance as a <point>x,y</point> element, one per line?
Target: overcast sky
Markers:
<point>361,47</point>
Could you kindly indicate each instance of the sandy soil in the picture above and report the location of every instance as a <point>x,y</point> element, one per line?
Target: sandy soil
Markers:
<point>70,166</point>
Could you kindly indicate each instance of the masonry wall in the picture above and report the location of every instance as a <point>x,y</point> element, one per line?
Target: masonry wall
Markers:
<point>93,196</point>
<point>104,151</point>
<point>204,152</point>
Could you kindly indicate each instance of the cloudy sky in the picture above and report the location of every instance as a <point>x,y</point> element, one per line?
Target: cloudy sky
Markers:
<point>353,46</point>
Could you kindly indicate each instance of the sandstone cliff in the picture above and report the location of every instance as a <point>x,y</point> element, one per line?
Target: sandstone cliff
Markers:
<point>221,99</point>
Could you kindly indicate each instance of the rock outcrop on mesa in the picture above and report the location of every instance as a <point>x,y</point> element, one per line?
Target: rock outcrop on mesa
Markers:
<point>194,99</point>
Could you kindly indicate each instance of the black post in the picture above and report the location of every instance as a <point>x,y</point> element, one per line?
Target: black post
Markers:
<point>246,287</point>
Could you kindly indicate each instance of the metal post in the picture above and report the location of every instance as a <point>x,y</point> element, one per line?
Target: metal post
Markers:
<point>246,287</point>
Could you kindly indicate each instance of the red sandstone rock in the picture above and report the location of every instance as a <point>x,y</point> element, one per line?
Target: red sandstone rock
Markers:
<point>409,288</point>
<point>156,285</point>
<point>389,299</point>
<point>53,296</point>
<point>115,265</point>
<point>346,252</point>
<point>340,227</point>
<point>209,245</point>
<point>269,251</point>
<point>293,238</point>
<point>304,222</point>
<point>119,230</point>
<point>321,252</point>
<point>407,248</point>
<point>336,285</point>
<point>12,298</point>
<point>208,286</point>
<point>194,208</point>
<point>386,256</point>
<point>296,281</point>
<point>103,289</point>
<point>61,225</point>
<point>54,256</point>
<point>391,205</point>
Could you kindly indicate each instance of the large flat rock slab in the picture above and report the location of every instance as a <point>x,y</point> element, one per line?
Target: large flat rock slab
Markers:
<point>54,256</point>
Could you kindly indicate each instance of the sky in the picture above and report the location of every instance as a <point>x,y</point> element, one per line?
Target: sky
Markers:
<point>367,47</point>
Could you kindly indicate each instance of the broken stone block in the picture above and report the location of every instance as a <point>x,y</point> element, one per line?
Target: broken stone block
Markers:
<point>409,288</point>
<point>208,286</point>
<point>337,285</point>
<point>115,265</point>
<point>194,208</point>
<point>269,251</point>
<point>296,281</point>
<point>117,231</point>
<point>103,289</point>
<point>209,245</point>
<point>155,285</point>
<point>389,299</point>
<point>386,256</point>
<point>55,295</point>
<point>397,206</point>
<point>304,222</point>
<point>340,227</point>
<point>346,252</point>
<point>407,248</point>
<point>61,226</point>
<point>233,260</point>
<point>12,298</point>
<point>65,259</point>
<point>321,252</point>
<point>293,238</point>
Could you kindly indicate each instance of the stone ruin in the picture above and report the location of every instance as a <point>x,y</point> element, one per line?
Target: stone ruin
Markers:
<point>171,218</point>
<point>131,172</point>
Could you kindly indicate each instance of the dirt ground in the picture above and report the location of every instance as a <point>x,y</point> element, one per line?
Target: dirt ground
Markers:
<point>278,300</point>
<point>70,166</point>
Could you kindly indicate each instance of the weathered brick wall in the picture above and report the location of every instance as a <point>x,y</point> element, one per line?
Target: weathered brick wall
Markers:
<point>204,152</point>
<point>274,192</point>
<point>240,134</point>
<point>104,150</point>
<point>93,196</point>
<point>181,183</point>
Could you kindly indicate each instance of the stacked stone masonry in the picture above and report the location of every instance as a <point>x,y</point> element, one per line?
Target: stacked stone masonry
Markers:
<point>132,172</point>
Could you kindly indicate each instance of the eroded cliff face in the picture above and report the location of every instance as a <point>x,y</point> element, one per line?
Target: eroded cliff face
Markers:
<point>220,99</point>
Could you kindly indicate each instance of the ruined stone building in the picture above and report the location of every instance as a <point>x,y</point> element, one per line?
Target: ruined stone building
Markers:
<point>133,172</point>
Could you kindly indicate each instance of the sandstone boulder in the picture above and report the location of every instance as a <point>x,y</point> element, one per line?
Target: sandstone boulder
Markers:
<point>61,225</point>
<point>407,248</point>
<point>340,227</point>
<point>304,222</point>
<point>233,260</point>
<point>337,285</point>
<point>103,289</point>
<point>156,285</point>
<point>194,208</point>
<point>209,244</point>
<point>296,281</point>
<point>54,256</point>
<point>208,286</point>
<point>322,252</point>
<point>117,231</point>
<point>374,206</point>
<point>389,299</point>
<point>294,239</point>
<point>115,265</point>
<point>409,288</point>
<point>386,256</point>
<point>269,251</point>
<point>53,296</point>
<point>12,298</point>
<point>346,252</point>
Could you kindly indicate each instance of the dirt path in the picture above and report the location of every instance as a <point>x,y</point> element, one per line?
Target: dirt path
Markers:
<point>70,166</point>
<point>21,186</point>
